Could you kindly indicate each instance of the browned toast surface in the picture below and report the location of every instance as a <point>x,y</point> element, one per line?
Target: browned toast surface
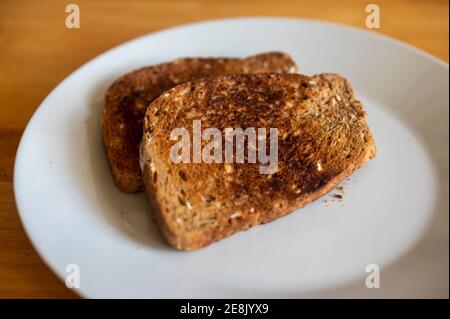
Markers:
<point>128,97</point>
<point>323,138</point>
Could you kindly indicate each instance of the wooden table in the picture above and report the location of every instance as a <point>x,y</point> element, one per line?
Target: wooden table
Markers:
<point>37,51</point>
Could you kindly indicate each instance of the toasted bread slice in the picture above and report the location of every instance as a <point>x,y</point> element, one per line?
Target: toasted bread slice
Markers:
<point>323,137</point>
<point>129,96</point>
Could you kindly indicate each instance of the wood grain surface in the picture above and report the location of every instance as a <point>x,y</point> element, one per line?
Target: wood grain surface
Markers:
<point>37,51</point>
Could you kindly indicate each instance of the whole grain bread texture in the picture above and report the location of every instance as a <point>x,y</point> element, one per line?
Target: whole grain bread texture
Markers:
<point>323,138</point>
<point>129,96</point>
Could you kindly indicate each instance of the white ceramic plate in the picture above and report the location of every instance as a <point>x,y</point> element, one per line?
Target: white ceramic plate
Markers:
<point>394,214</point>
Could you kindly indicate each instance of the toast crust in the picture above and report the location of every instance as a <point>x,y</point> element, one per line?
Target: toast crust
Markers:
<point>128,97</point>
<point>319,121</point>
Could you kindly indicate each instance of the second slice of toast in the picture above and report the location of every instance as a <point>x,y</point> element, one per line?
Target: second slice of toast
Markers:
<point>128,97</point>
